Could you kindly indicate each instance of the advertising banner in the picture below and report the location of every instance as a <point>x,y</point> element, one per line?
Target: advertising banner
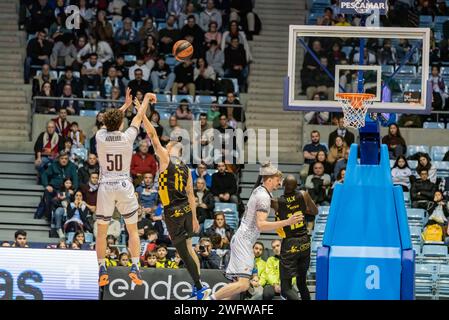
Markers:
<point>48,274</point>
<point>158,284</point>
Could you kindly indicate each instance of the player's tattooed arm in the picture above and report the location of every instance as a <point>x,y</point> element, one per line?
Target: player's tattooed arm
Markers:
<point>128,101</point>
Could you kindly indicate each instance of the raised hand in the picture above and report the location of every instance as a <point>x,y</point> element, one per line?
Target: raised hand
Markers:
<point>128,101</point>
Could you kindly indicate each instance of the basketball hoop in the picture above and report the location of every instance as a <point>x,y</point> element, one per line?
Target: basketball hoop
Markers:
<point>355,106</point>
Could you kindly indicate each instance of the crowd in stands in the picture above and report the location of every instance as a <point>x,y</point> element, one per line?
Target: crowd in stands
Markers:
<point>129,43</point>
<point>427,187</point>
<point>389,53</point>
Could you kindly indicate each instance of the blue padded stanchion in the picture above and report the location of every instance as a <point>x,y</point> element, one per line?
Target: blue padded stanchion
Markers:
<point>366,245</point>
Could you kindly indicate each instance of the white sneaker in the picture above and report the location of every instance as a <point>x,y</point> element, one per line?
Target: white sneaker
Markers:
<point>60,233</point>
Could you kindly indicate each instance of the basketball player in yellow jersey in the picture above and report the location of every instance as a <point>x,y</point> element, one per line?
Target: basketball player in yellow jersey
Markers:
<point>176,194</point>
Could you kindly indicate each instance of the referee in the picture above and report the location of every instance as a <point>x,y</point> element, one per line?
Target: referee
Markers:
<point>295,248</point>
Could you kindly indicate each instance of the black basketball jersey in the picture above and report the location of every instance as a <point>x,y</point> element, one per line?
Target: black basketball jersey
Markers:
<point>287,206</point>
<point>172,184</point>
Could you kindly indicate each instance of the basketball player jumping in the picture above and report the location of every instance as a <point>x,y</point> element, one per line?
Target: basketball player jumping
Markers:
<point>115,149</point>
<point>254,221</point>
<point>177,197</point>
<point>295,248</point>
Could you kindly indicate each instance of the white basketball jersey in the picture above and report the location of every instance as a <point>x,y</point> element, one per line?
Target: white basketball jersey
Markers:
<point>115,150</point>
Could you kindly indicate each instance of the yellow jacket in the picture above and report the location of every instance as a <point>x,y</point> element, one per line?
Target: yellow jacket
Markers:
<point>166,264</point>
<point>271,274</point>
<point>260,266</point>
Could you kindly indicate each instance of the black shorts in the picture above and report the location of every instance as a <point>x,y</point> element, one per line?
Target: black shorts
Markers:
<point>295,256</point>
<point>179,222</point>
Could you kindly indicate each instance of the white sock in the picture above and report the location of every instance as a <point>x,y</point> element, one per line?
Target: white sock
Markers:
<point>135,261</point>
<point>102,262</point>
<point>212,297</point>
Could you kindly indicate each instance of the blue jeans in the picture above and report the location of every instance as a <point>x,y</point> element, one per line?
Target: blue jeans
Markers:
<point>46,161</point>
<point>58,216</point>
<point>165,84</point>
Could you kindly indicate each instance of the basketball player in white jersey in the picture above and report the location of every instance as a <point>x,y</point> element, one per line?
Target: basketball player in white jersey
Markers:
<point>115,149</point>
<point>241,262</point>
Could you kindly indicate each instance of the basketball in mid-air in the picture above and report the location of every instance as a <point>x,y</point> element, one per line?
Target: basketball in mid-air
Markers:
<point>182,50</point>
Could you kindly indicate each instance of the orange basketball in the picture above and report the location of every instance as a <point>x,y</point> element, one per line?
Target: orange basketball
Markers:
<point>182,50</point>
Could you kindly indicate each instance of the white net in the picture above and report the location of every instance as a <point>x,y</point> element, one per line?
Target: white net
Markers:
<point>354,110</point>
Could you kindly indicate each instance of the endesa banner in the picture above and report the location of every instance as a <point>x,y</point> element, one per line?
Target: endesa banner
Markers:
<point>48,274</point>
<point>158,284</point>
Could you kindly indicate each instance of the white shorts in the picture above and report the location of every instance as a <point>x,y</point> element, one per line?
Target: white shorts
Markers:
<point>241,262</point>
<point>120,195</point>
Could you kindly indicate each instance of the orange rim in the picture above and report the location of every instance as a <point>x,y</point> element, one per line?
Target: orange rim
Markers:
<point>356,99</point>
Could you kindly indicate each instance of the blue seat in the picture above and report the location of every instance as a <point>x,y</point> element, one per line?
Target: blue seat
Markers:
<point>442,167</point>
<point>118,24</point>
<point>425,21</point>
<point>433,125</point>
<point>417,249</point>
<point>413,87</point>
<point>387,70</point>
<point>179,97</point>
<point>163,98</point>
<point>434,251</point>
<point>69,236</point>
<point>137,25</point>
<point>165,115</point>
<point>195,240</point>
<point>130,58</point>
<point>412,164</point>
<point>312,18</point>
<point>89,237</point>
<point>407,71</point>
<point>205,99</point>
<point>91,94</point>
<point>319,229</point>
<point>412,149</point>
<point>171,61</point>
<point>161,25</point>
<point>415,232</point>
<point>323,211</point>
<point>88,113</point>
<point>208,223</point>
<point>221,99</point>
<point>211,171</point>
<point>223,206</point>
<point>347,51</point>
<point>53,73</point>
<point>438,23</point>
<point>416,215</point>
<point>437,152</point>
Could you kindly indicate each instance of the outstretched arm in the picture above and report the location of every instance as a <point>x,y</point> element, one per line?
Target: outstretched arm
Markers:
<point>161,152</point>
<point>142,109</point>
<point>264,225</point>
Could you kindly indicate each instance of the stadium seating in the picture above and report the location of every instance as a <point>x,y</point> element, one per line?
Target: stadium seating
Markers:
<point>412,149</point>
<point>425,21</point>
<point>434,251</point>
<point>438,23</point>
<point>178,98</point>
<point>433,125</point>
<point>442,168</point>
<point>88,113</point>
<point>425,280</point>
<point>231,213</point>
<point>208,223</point>
<point>416,217</point>
<point>205,99</point>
